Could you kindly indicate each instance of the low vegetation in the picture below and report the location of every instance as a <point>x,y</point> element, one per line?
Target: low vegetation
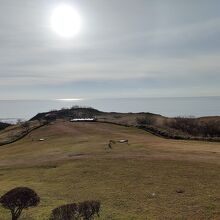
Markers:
<point>195,127</point>
<point>84,210</point>
<point>16,132</point>
<point>21,198</point>
<point>206,128</point>
<point>150,177</point>
<point>181,127</point>
<point>3,125</point>
<point>68,113</point>
<point>68,212</point>
<point>146,120</point>
<point>18,199</point>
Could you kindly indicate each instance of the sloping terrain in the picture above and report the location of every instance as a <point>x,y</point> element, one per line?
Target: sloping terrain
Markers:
<point>185,128</point>
<point>3,125</point>
<point>140,180</point>
<point>13,133</point>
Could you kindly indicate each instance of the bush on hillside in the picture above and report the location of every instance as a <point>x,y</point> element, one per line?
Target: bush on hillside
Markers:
<point>85,210</point>
<point>89,209</point>
<point>3,125</point>
<point>18,199</point>
<point>146,120</point>
<point>67,212</point>
<point>50,117</point>
<point>26,126</point>
<point>194,127</point>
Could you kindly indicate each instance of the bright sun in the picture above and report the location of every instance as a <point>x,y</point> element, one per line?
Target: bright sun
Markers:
<point>65,21</point>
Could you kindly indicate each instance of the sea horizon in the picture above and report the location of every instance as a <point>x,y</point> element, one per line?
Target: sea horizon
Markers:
<point>12,110</point>
<point>92,98</point>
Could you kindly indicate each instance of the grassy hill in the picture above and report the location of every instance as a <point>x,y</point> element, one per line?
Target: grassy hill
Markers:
<point>136,181</point>
<point>204,128</point>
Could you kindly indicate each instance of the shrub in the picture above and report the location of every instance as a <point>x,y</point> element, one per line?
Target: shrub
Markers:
<point>146,120</point>
<point>88,209</point>
<point>67,212</point>
<point>85,210</point>
<point>3,125</point>
<point>194,127</point>
<point>26,126</point>
<point>18,199</point>
<point>50,117</point>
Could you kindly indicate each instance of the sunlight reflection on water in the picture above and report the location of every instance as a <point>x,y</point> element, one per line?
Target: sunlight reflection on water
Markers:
<point>200,106</point>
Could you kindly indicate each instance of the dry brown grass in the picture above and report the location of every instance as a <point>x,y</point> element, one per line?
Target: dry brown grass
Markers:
<point>132,181</point>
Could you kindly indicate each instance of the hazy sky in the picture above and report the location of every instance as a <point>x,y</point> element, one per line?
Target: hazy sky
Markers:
<point>126,48</point>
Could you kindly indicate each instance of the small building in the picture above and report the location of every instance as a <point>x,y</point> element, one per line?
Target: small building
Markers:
<point>83,120</point>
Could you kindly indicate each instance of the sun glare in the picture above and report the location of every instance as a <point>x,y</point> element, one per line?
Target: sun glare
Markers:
<point>70,100</point>
<point>65,21</point>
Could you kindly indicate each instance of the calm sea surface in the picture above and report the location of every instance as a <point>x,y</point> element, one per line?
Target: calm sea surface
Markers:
<point>11,110</point>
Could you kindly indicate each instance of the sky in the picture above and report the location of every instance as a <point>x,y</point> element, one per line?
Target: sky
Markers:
<point>126,48</point>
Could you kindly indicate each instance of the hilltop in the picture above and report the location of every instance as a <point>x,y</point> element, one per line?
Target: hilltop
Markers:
<point>68,113</point>
<point>181,128</point>
<point>203,128</point>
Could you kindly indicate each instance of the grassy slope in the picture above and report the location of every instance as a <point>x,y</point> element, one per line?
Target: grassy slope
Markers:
<point>73,165</point>
<point>204,128</point>
<point>162,126</point>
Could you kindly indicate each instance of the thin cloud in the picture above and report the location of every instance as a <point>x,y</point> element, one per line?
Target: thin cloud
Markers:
<point>172,42</point>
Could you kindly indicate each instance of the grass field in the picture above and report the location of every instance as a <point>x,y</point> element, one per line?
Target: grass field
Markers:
<point>135,181</point>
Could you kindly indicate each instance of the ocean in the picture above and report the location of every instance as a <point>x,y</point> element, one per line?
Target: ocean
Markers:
<point>12,110</point>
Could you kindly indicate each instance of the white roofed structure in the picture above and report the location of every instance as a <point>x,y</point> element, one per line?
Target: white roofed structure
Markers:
<point>82,119</point>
